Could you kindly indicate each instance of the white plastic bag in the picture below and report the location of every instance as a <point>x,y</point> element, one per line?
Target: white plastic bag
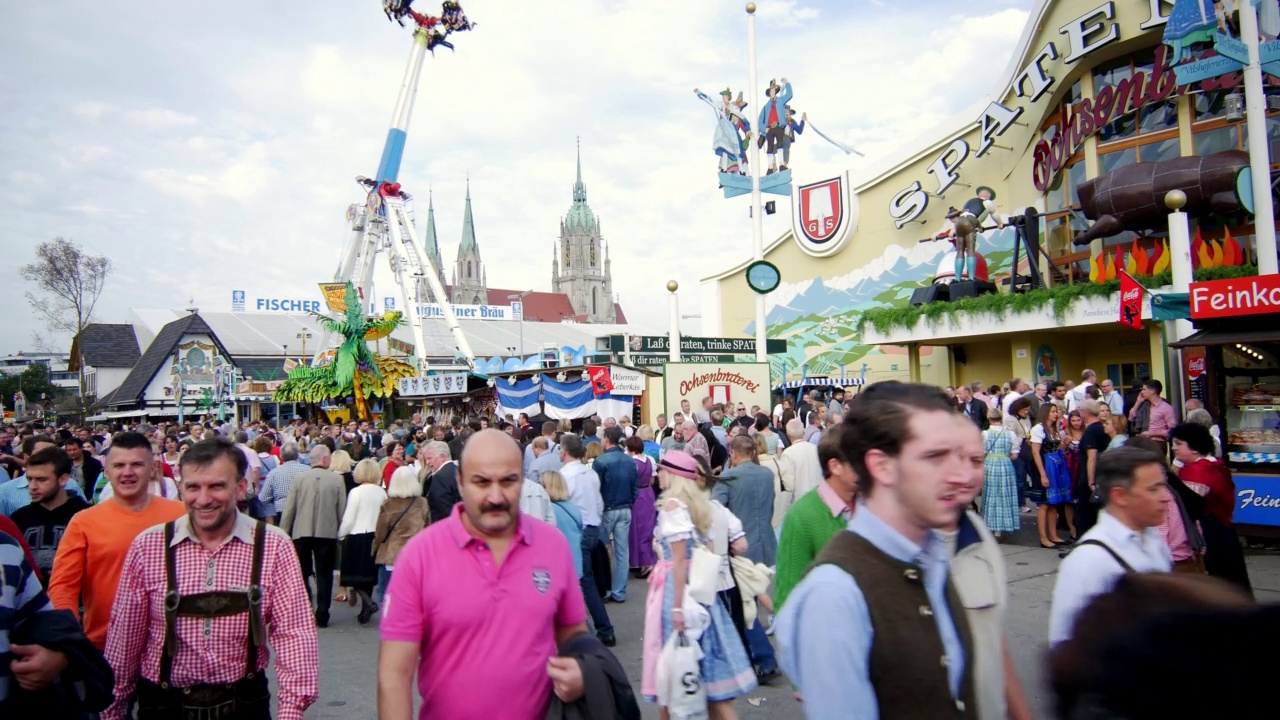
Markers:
<point>704,574</point>
<point>679,679</point>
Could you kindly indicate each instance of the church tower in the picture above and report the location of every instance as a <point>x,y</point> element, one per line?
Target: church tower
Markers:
<point>432,245</point>
<point>581,267</point>
<point>469,284</point>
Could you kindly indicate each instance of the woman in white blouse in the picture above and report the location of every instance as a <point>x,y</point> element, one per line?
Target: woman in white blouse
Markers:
<point>357,533</point>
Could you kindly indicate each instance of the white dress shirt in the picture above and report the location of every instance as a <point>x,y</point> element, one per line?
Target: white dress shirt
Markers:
<point>1078,395</point>
<point>584,491</point>
<point>1090,571</point>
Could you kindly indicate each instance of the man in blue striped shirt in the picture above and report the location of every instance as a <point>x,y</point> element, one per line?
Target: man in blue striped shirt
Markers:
<point>32,667</point>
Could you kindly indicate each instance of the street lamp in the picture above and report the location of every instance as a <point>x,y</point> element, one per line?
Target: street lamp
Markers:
<point>304,336</point>
<point>673,305</point>
<point>516,298</point>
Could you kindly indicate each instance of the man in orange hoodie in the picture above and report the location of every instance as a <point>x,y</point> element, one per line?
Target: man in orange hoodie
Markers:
<point>86,570</point>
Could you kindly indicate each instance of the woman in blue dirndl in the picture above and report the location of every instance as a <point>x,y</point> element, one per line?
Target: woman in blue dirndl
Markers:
<point>1052,488</point>
<point>684,518</point>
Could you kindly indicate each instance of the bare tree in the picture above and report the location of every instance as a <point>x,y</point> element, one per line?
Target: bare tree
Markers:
<point>68,284</point>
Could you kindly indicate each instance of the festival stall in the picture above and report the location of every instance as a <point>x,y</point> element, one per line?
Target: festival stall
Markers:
<point>572,393</point>
<point>1232,365</point>
<point>447,394</point>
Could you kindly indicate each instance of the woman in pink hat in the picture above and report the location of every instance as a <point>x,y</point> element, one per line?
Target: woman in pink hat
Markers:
<point>684,519</point>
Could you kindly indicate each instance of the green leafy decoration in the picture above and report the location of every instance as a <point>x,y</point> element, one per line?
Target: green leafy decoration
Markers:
<point>1057,301</point>
<point>355,369</point>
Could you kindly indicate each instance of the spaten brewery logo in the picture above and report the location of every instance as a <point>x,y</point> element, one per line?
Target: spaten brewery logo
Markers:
<point>824,215</point>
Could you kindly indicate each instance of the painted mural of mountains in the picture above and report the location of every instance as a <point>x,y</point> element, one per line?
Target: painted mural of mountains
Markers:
<point>817,317</point>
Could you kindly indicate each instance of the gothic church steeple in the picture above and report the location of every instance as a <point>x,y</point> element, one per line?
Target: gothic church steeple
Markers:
<point>469,283</point>
<point>581,268</point>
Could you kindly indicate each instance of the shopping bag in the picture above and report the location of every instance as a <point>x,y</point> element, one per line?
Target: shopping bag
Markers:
<point>704,575</point>
<point>679,679</point>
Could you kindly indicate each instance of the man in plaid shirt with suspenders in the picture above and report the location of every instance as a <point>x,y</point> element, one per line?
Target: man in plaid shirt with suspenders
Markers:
<point>199,599</point>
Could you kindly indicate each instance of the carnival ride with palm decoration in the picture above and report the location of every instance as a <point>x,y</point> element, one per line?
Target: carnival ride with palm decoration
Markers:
<point>354,370</point>
<point>383,223</point>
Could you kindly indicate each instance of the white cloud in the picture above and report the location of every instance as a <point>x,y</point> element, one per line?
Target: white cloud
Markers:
<point>786,13</point>
<point>159,119</point>
<point>234,160</point>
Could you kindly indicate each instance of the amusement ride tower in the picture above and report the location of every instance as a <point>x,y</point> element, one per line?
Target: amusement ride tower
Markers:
<point>383,224</point>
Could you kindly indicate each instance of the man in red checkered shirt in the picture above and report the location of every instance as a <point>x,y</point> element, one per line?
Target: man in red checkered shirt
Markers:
<point>198,602</point>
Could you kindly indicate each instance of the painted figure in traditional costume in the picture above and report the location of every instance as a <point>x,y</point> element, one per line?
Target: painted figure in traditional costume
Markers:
<point>793,129</point>
<point>727,143</point>
<point>965,224</point>
<point>773,121</point>
<point>743,126</point>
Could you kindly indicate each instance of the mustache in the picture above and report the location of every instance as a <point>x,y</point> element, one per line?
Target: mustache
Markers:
<point>495,507</point>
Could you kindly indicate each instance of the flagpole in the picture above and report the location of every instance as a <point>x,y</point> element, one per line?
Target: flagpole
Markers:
<point>757,212</point>
<point>1255,113</point>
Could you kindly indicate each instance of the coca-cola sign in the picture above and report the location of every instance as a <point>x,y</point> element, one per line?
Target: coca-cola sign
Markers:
<point>1195,367</point>
<point>1130,302</point>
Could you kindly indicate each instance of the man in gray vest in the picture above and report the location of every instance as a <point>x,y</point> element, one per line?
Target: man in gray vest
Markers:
<point>876,628</point>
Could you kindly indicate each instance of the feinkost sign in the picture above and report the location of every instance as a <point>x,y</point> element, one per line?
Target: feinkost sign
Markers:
<point>1257,295</point>
<point>1257,500</point>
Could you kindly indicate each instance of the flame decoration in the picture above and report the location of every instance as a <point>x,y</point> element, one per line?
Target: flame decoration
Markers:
<point>1201,255</point>
<point>1160,262</point>
<point>1232,255</point>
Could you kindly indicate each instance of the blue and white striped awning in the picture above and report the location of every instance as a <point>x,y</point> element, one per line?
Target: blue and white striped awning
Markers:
<point>1254,458</point>
<point>818,382</point>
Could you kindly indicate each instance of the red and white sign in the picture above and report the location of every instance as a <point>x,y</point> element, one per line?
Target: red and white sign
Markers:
<point>1256,295</point>
<point>1130,301</point>
<point>824,215</point>
<point>601,382</point>
<point>1195,367</point>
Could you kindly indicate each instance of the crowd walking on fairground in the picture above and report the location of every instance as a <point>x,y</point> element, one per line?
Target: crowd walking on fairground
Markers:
<point>844,548</point>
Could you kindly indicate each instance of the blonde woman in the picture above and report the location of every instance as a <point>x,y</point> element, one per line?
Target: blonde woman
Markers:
<point>782,496</point>
<point>568,516</point>
<point>340,462</point>
<point>403,515</point>
<point>685,517</point>
<point>357,533</point>
<point>593,451</point>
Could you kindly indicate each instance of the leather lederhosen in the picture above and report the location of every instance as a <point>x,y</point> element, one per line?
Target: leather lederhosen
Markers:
<point>244,699</point>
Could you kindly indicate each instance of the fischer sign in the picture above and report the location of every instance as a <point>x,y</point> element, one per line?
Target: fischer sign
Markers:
<point>1258,295</point>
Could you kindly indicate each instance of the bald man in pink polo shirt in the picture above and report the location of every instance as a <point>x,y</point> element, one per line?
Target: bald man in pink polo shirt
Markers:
<point>487,593</point>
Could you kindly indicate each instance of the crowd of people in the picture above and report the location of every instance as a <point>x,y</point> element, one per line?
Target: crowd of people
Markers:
<point>861,533</point>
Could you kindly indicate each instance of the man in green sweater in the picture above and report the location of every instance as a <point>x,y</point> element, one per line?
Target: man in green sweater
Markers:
<point>816,517</point>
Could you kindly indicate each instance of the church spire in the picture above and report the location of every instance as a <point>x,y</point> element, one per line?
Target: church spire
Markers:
<point>432,246</point>
<point>579,190</point>
<point>468,228</point>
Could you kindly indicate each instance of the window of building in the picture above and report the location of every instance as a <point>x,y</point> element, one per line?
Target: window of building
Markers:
<point>1063,193</point>
<point>1216,140</point>
<point>1213,134</point>
<point>1153,118</point>
<point>468,270</point>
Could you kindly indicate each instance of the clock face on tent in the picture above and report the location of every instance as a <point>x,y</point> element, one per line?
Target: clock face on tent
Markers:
<point>763,277</point>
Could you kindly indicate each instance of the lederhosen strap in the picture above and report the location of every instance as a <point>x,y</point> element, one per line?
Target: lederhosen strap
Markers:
<point>212,604</point>
<point>257,634</point>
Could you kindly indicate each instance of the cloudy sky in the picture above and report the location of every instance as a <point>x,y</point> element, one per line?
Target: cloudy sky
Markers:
<point>208,147</point>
